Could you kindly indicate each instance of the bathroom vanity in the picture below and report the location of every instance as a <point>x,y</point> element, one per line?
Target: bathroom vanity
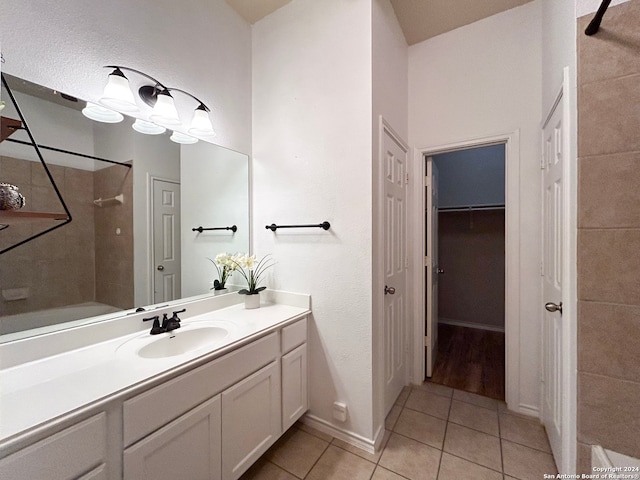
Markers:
<point>111,401</point>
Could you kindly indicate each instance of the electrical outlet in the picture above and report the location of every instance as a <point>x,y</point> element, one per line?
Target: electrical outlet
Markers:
<point>340,411</point>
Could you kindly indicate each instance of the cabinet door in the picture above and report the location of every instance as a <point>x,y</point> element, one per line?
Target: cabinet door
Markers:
<point>188,447</point>
<point>250,420</point>
<point>294,386</point>
<point>67,454</point>
<point>99,473</point>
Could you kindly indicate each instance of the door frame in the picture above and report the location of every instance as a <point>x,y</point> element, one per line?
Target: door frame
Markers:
<point>569,361</point>
<point>511,141</point>
<point>150,234</point>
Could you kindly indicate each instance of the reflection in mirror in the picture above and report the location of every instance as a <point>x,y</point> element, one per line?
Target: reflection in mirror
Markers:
<point>131,241</point>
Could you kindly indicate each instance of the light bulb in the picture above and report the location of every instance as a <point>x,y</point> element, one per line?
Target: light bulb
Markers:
<point>117,94</point>
<point>201,124</point>
<point>148,128</point>
<point>164,111</point>
<point>179,137</point>
<point>101,114</point>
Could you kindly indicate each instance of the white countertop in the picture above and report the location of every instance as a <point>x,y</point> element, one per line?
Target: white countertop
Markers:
<point>46,389</point>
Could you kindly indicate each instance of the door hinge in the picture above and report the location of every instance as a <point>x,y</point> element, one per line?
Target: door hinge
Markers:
<point>542,269</point>
<point>406,262</point>
<point>406,179</point>
<point>542,162</point>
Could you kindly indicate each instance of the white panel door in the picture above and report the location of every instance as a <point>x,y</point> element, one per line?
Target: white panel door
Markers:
<point>166,241</point>
<point>552,278</point>
<point>431,265</point>
<point>394,158</point>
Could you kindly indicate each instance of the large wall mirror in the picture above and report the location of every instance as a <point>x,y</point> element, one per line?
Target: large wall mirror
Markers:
<point>131,241</point>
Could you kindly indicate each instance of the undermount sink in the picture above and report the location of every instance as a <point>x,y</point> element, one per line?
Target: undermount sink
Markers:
<point>182,341</point>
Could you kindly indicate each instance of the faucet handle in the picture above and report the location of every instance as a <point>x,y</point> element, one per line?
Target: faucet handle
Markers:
<point>156,329</point>
<point>175,314</point>
<point>150,318</point>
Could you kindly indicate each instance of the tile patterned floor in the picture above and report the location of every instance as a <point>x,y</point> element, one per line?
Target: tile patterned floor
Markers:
<point>432,433</point>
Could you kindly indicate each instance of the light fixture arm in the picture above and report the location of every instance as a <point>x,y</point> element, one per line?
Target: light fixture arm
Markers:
<point>159,86</point>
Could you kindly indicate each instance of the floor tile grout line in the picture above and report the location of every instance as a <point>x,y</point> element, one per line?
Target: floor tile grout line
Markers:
<point>317,460</point>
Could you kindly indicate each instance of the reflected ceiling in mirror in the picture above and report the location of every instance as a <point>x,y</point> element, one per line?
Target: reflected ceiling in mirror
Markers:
<point>131,242</point>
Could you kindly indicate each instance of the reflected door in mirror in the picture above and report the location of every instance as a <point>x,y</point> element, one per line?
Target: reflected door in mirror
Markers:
<point>166,240</point>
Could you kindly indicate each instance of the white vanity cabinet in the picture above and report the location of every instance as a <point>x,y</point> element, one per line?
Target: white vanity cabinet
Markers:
<point>208,420</point>
<point>214,422</point>
<point>77,452</point>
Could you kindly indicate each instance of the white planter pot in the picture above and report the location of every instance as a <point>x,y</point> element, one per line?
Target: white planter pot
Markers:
<point>252,301</point>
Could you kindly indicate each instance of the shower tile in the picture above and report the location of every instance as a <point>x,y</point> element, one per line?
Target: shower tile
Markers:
<point>608,116</point>
<point>609,194</point>
<point>608,266</point>
<point>601,354</point>
<point>608,413</point>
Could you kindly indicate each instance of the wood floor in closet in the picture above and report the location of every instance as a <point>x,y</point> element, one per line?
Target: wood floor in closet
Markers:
<point>470,359</point>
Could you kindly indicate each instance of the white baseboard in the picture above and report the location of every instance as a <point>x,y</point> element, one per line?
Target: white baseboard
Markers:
<point>351,438</point>
<point>461,323</point>
<point>529,410</point>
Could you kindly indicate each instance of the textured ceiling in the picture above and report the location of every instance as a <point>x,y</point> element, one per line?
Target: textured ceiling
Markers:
<point>419,19</point>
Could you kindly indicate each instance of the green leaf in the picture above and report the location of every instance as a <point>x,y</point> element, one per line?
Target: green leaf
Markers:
<point>244,291</point>
<point>259,289</point>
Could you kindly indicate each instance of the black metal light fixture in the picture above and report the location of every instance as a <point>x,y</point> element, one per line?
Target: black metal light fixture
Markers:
<point>118,96</point>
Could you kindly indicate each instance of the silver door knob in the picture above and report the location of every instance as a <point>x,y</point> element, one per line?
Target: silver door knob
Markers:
<point>552,307</point>
<point>389,290</point>
<point>160,267</point>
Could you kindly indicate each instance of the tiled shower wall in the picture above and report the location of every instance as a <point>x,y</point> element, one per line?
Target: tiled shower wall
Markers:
<point>609,234</point>
<point>57,268</point>
<point>114,237</point>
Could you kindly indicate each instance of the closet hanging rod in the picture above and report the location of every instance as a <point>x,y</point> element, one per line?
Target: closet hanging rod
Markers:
<point>233,228</point>
<point>324,225</point>
<point>594,25</point>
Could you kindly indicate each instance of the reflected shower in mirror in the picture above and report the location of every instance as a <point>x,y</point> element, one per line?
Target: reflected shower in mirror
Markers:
<point>131,242</point>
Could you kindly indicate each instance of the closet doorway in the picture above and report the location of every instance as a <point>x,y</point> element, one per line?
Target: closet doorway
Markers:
<point>465,248</point>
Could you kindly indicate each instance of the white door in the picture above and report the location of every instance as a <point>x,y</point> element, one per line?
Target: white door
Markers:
<point>552,183</point>
<point>394,158</point>
<point>166,240</point>
<point>431,265</point>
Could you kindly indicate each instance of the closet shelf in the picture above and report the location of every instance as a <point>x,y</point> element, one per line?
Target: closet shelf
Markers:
<point>13,217</point>
<point>8,127</point>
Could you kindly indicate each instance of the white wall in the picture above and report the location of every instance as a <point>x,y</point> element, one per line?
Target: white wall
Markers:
<point>312,162</point>
<point>481,80</point>
<point>214,193</point>
<point>390,56</point>
<point>201,47</point>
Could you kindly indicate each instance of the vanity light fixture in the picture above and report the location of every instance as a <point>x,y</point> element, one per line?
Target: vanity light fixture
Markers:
<point>148,128</point>
<point>101,114</point>
<point>179,137</point>
<point>118,95</point>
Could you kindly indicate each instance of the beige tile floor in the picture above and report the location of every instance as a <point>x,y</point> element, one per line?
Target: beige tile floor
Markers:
<point>432,433</point>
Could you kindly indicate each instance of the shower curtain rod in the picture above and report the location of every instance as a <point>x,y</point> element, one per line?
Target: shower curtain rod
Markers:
<point>594,25</point>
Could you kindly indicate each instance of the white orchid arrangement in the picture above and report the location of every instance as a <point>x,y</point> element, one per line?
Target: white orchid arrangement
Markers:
<point>225,266</point>
<point>251,270</point>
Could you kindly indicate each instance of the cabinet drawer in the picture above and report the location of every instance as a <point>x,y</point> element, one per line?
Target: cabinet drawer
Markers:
<point>151,410</point>
<point>294,335</point>
<point>67,454</point>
